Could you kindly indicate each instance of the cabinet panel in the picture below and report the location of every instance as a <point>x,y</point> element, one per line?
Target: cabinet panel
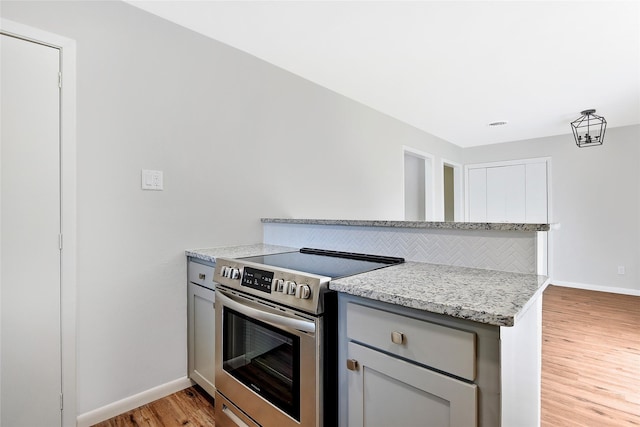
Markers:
<point>515,205</point>
<point>201,274</point>
<point>202,336</point>
<point>536,192</point>
<point>506,194</point>
<point>446,349</point>
<point>477,195</point>
<point>386,391</point>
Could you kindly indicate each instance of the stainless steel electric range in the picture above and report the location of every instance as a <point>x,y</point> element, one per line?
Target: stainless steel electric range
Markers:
<point>276,336</point>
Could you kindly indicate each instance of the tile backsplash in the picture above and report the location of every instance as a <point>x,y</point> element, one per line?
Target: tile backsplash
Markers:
<point>494,250</point>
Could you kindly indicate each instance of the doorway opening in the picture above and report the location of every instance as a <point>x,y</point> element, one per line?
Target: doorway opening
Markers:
<point>449,194</point>
<point>418,185</point>
<point>452,191</point>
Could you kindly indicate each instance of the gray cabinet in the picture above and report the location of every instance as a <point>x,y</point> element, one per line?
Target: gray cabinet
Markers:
<point>201,324</point>
<point>391,376</point>
<point>388,391</point>
<point>405,367</point>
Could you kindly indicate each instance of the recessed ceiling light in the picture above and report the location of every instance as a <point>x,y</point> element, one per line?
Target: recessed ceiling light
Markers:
<point>500,123</point>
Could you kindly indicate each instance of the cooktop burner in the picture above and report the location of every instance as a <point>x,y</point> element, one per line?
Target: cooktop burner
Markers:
<point>326,263</point>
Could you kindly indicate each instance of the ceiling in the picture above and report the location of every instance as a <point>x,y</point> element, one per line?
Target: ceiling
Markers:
<point>447,67</point>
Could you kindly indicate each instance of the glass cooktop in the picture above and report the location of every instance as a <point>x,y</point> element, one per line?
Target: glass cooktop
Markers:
<point>326,263</point>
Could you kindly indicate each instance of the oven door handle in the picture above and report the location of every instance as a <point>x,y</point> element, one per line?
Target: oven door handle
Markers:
<point>275,319</point>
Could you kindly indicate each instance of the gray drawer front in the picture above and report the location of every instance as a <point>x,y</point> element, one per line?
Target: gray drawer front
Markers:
<point>446,349</point>
<point>201,274</point>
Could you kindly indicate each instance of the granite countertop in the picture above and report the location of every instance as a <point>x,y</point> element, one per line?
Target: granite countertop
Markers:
<point>496,226</point>
<point>485,296</point>
<point>210,254</point>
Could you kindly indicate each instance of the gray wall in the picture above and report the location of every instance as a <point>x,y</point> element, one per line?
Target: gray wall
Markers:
<point>594,205</point>
<point>237,139</point>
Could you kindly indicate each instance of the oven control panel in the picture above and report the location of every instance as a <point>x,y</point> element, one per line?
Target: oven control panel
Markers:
<point>274,284</point>
<point>257,279</point>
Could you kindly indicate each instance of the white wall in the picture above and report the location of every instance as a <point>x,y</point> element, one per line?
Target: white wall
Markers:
<point>237,139</point>
<point>595,202</point>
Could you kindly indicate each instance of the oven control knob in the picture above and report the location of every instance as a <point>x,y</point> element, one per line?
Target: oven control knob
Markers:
<point>290,287</point>
<point>303,292</point>
<point>278,285</point>
<point>235,273</point>
<point>223,271</point>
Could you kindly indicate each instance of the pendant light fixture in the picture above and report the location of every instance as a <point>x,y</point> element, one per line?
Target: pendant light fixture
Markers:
<point>588,129</point>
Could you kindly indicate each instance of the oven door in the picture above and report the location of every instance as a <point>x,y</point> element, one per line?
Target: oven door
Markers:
<point>267,360</point>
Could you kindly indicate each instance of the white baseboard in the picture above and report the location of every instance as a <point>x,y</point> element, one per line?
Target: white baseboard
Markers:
<point>624,291</point>
<point>121,406</point>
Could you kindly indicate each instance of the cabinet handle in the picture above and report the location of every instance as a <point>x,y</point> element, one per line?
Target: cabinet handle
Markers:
<point>201,276</point>
<point>233,417</point>
<point>352,364</point>
<point>397,337</point>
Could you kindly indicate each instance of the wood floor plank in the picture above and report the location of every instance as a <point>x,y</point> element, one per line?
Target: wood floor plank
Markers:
<point>590,358</point>
<point>191,407</point>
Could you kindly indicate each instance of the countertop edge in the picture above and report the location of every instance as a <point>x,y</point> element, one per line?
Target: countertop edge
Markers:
<point>458,313</point>
<point>434,225</point>
<point>238,251</point>
<point>534,297</point>
<point>484,296</point>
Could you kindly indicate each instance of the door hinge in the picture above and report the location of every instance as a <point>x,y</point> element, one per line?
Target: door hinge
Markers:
<point>60,80</point>
<point>60,241</point>
<point>61,402</point>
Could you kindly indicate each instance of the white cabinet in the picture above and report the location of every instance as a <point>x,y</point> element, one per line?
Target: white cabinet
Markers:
<point>536,192</point>
<point>477,194</point>
<point>201,325</point>
<point>508,192</point>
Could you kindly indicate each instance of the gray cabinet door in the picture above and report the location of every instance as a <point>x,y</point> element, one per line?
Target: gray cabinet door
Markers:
<point>387,391</point>
<point>202,336</point>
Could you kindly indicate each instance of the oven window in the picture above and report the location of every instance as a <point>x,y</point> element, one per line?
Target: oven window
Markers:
<point>264,358</point>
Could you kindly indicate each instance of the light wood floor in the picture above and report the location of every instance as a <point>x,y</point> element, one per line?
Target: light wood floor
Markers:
<point>590,368</point>
<point>590,359</point>
<point>190,407</point>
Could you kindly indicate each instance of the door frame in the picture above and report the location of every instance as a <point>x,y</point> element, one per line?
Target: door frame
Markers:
<point>458,191</point>
<point>68,254</point>
<point>429,180</point>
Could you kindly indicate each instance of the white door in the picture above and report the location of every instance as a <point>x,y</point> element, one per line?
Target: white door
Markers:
<point>30,357</point>
<point>477,194</point>
<point>506,194</point>
<point>514,191</point>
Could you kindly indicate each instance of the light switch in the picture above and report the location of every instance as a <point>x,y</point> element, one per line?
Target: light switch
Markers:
<point>152,180</point>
